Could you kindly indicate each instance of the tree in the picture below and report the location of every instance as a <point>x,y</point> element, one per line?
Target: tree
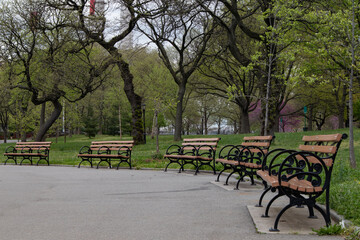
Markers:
<point>96,28</point>
<point>268,25</point>
<point>50,63</point>
<point>181,35</point>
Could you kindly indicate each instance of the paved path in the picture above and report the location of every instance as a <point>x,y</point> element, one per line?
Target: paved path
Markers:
<point>69,203</point>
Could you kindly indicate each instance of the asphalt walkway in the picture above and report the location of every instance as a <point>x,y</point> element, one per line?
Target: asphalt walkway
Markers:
<point>93,204</point>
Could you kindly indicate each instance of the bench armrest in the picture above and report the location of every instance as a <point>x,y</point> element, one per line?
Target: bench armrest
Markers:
<point>124,150</point>
<point>85,149</point>
<point>251,154</point>
<point>103,150</point>
<point>41,149</point>
<point>10,149</point>
<point>225,151</point>
<point>298,170</point>
<point>205,150</point>
<point>274,158</point>
<point>174,150</point>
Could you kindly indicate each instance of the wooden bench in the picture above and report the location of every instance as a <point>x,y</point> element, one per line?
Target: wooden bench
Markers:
<point>28,151</point>
<point>107,151</point>
<point>195,151</point>
<point>244,159</point>
<point>302,175</point>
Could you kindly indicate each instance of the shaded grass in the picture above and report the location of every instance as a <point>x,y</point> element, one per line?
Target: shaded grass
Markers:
<point>345,183</point>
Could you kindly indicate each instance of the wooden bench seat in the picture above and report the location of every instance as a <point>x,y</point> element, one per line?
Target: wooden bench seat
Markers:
<point>195,151</point>
<point>302,175</point>
<point>107,151</point>
<point>28,151</point>
<point>245,158</point>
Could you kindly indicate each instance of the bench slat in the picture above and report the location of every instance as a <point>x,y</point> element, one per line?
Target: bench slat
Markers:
<point>258,138</point>
<point>318,149</point>
<point>201,140</point>
<point>111,142</point>
<point>33,143</point>
<point>256,144</point>
<point>323,138</point>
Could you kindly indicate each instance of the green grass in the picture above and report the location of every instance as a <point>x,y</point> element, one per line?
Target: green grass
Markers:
<point>345,183</point>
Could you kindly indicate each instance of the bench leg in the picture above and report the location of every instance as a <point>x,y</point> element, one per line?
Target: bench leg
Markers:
<point>85,160</point>
<point>172,161</point>
<point>269,204</point>
<point>262,197</point>
<point>104,160</point>
<point>327,217</point>
<point>14,159</point>
<point>275,228</point>
<point>121,161</point>
<point>228,177</point>
<point>241,179</point>
<point>25,158</point>
<point>218,177</point>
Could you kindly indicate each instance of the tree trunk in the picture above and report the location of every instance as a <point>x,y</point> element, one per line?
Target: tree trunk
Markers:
<point>179,112</point>
<point>135,100</point>
<point>54,116</point>
<point>219,126</point>
<point>154,125</point>
<point>120,130</point>
<point>5,134</point>
<point>310,118</point>
<point>42,114</point>
<point>206,119</point>
<point>245,122</point>
<point>157,131</point>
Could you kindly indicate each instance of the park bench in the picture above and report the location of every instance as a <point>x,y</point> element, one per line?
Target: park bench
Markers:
<point>195,151</point>
<point>244,159</point>
<point>107,151</point>
<point>302,175</point>
<point>28,151</point>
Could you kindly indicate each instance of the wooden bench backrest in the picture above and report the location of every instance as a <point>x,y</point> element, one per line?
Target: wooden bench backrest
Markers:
<point>35,145</point>
<point>325,146</point>
<point>262,142</point>
<point>197,142</point>
<point>112,145</point>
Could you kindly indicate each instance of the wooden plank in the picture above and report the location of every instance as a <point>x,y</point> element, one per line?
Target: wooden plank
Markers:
<point>112,145</point>
<point>33,143</point>
<point>200,144</point>
<point>328,161</point>
<point>112,142</point>
<point>256,144</point>
<point>318,149</point>
<point>323,138</point>
<point>258,138</point>
<point>201,140</point>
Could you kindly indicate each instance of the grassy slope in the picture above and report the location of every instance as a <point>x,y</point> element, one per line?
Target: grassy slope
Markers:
<point>345,188</point>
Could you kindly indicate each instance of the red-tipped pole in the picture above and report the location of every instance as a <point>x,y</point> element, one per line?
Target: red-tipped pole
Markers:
<point>92,7</point>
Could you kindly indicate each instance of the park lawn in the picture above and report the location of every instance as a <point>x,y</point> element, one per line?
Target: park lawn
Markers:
<point>345,183</point>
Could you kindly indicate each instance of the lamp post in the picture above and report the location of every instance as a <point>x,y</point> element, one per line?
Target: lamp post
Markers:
<point>143,112</point>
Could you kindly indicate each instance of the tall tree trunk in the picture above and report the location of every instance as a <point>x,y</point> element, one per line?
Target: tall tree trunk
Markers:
<point>156,131</point>
<point>351,114</point>
<point>245,121</point>
<point>179,112</point>
<point>341,109</point>
<point>120,127</point>
<point>219,126</point>
<point>54,116</point>
<point>310,118</point>
<point>154,125</point>
<point>42,115</point>
<point>135,100</point>
<point>206,120</point>
<point>5,134</point>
